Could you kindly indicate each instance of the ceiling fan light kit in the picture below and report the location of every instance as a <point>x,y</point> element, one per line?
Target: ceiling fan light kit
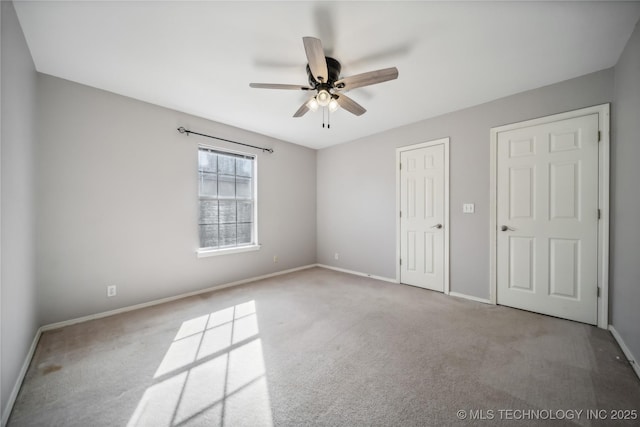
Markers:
<point>313,104</point>
<point>323,97</point>
<point>333,105</point>
<point>324,78</point>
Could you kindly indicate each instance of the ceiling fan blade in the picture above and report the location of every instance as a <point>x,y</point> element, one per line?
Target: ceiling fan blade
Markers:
<point>315,56</point>
<point>302,110</point>
<point>366,79</point>
<point>350,105</point>
<point>278,86</point>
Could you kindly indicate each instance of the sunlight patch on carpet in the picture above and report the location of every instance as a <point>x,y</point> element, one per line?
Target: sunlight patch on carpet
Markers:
<point>212,374</point>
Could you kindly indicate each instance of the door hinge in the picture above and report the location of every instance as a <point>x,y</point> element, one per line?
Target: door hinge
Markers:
<point>400,214</point>
<point>599,214</point>
<point>400,261</point>
<point>598,292</point>
<point>599,136</point>
<point>400,166</point>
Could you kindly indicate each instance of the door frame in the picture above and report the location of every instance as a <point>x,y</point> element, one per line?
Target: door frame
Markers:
<point>603,112</point>
<point>399,151</point>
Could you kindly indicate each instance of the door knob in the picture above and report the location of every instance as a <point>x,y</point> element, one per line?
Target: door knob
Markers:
<point>438,226</point>
<point>506,228</point>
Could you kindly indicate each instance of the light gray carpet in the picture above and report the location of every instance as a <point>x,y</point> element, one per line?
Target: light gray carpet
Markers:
<point>318,347</point>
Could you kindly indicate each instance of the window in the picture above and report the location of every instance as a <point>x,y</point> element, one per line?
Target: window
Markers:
<point>227,200</point>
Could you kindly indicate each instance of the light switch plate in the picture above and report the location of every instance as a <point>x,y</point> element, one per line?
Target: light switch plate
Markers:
<point>468,208</point>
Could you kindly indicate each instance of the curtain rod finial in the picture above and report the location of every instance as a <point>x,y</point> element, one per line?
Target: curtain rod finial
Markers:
<point>183,130</point>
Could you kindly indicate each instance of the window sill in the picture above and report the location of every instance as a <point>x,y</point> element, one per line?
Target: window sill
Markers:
<point>204,253</point>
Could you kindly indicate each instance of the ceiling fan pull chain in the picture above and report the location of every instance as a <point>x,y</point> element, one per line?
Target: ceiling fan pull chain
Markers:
<point>323,117</point>
<point>328,118</point>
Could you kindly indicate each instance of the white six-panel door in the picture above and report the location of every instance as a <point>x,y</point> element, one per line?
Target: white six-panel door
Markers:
<point>422,217</point>
<point>547,218</point>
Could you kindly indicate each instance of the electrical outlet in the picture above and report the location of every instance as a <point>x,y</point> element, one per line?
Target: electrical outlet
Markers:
<point>275,259</point>
<point>468,208</point>
<point>111,291</point>
<point>336,255</point>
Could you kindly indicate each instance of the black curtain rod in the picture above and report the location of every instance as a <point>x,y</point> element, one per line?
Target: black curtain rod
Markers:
<point>187,131</point>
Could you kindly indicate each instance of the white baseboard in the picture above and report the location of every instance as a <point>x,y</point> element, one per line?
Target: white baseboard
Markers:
<point>632,360</point>
<point>168,299</point>
<point>25,366</point>
<point>357,273</point>
<point>469,297</point>
<point>387,279</point>
<point>23,371</point>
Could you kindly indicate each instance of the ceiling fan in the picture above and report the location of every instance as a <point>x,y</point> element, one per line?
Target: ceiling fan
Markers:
<point>324,78</point>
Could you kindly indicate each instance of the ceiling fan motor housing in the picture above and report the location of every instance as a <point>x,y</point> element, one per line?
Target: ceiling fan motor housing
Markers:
<point>333,68</point>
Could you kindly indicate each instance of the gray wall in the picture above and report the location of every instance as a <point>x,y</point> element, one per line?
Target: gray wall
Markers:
<point>357,194</point>
<point>624,264</point>
<point>119,203</point>
<point>18,287</point>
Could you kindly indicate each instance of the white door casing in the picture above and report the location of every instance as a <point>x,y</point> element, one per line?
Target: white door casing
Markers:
<point>547,195</point>
<point>423,215</point>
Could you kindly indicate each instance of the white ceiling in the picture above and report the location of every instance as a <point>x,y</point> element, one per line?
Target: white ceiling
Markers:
<point>199,57</point>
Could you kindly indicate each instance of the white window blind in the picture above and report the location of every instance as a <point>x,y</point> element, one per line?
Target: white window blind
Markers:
<point>227,199</point>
